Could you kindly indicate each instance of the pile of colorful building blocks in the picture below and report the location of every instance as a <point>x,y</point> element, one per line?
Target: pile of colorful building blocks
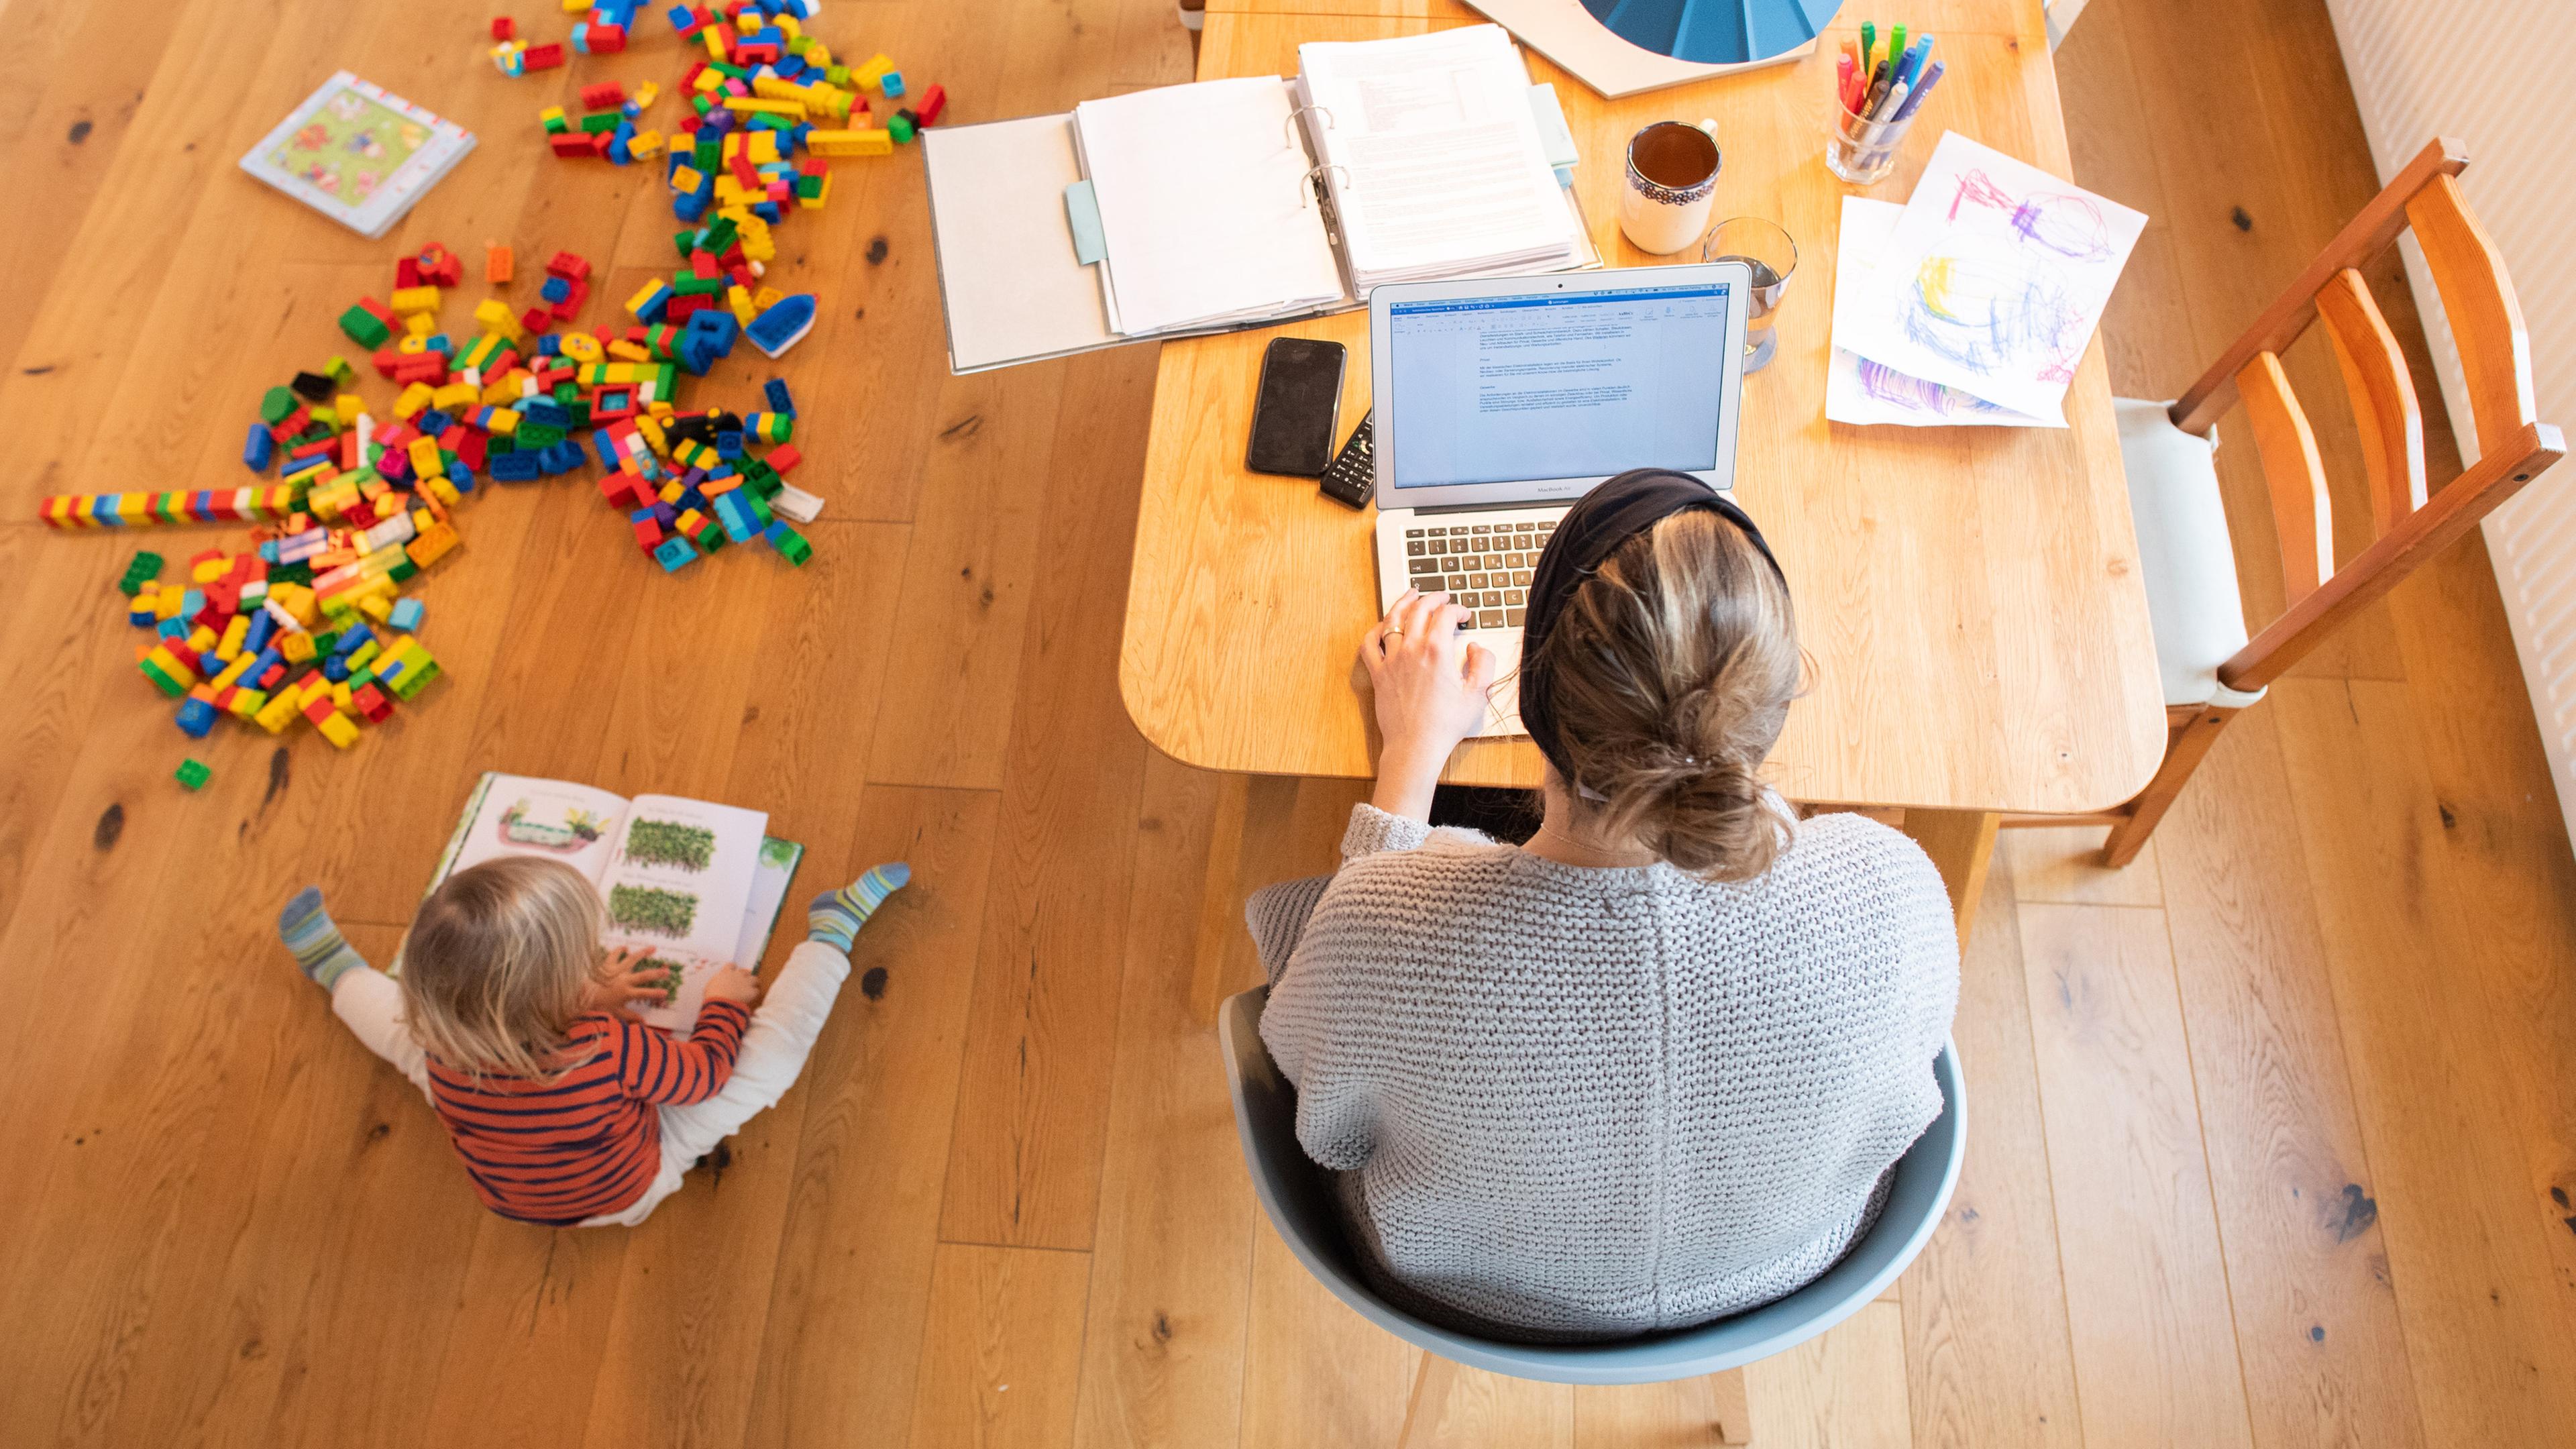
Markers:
<point>287,628</point>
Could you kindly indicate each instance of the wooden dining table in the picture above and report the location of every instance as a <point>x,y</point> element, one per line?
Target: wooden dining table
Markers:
<point>1969,598</point>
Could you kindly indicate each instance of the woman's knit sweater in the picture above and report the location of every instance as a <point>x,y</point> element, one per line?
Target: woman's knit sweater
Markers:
<point>1573,1103</point>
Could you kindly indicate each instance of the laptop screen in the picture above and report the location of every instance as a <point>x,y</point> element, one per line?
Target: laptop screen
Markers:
<point>1561,385</point>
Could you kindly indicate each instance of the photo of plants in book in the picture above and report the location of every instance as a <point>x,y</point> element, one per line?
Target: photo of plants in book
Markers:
<point>670,843</point>
<point>670,972</point>
<point>652,910</point>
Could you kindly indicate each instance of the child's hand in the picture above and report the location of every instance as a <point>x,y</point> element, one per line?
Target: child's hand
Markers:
<point>735,985</point>
<point>617,981</point>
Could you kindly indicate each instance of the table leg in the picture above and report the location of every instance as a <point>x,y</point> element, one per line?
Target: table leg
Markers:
<point>1961,844</point>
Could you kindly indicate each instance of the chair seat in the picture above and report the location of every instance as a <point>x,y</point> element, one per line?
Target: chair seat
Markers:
<point>2183,549</point>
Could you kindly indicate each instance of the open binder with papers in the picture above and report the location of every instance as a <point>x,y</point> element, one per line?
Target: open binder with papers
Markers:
<point>1241,203</point>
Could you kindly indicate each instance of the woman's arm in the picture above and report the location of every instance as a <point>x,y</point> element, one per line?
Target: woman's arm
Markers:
<point>1429,685</point>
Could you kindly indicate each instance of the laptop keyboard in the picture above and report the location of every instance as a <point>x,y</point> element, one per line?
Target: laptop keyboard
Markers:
<point>1486,565</point>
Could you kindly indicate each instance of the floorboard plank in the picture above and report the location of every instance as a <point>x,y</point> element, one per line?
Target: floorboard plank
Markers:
<point>2307,1269</point>
<point>2146,1294</point>
<point>2455,1133</point>
<point>1002,1350</point>
<point>1025,1159</point>
<point>853,1283</point>
<point>1988,1359</point>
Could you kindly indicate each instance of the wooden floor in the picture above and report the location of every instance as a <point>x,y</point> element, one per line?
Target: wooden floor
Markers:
<point>2273,1135</point>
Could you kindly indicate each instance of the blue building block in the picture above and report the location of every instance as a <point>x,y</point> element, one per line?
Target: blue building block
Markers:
<point>196,718</point>
<point>259,449</point>
<point>779,401</point>
<point>407,615</point>
<point>556,289</point>
<point>674,554</point>
<point>893,84</point>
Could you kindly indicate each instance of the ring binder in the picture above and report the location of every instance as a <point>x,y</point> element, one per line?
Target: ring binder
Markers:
<point>1288,128</point>
<point>1314,182</point>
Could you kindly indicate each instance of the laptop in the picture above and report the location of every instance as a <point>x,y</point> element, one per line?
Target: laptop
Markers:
<point>1501,400</point>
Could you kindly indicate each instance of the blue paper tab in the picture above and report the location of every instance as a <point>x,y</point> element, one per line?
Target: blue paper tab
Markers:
<point>1082,213</point>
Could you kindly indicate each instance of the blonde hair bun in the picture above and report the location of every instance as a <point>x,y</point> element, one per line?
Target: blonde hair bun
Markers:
<point>1670,673</point>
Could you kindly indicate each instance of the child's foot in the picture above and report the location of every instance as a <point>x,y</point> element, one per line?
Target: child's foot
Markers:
<point>835,917</point>
<point>321,952</point>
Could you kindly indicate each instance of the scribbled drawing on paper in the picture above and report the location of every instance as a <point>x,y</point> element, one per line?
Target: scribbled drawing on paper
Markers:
<point>1996,315</point>
<point>2068,224</point>
<point>1884,384</point>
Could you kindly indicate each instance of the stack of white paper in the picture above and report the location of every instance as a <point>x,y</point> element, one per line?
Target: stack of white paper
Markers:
<point>1974,302</point>
<point>1204,206</point>
<point>1434,160</point>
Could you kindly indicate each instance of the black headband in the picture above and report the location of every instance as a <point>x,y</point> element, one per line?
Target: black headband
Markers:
<point>1592,530</point>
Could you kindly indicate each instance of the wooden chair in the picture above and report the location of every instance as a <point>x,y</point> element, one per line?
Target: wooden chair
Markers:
<point>2211,670</point>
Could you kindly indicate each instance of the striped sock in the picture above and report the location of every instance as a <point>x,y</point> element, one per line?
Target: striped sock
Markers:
<point>835,917</point>
<point>321,952</point>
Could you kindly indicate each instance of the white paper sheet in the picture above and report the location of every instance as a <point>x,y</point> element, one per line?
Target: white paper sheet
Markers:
<point>1994,279</point>
<point>1437,167</point>
<point>1205,205</point>
<point>1861,391</point>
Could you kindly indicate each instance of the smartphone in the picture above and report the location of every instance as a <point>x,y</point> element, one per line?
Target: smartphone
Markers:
<point>1294,415</point>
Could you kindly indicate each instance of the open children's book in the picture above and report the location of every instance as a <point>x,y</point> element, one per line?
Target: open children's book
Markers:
<point>699,884</point>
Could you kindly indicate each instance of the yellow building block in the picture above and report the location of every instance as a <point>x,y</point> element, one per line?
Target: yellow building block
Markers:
<point>406,301</point>
<point>496,317</point>
<point>860,141</point>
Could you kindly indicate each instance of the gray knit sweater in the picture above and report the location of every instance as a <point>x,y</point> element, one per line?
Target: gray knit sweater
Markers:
<point>1567,1103</point>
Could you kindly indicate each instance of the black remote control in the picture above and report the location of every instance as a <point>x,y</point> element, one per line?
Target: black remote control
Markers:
<point>1351,478</point>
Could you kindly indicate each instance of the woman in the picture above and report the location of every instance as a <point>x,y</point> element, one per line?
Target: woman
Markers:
<point>1651,1068</point>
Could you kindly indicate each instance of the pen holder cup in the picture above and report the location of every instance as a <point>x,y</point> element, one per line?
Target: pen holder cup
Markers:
<point>1863,151</point>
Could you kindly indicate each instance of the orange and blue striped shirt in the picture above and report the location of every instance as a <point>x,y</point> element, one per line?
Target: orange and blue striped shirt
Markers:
<point>590,1141</point>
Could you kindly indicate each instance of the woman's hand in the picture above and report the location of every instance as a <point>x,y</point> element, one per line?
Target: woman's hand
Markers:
<point>1430,686</point>
<point>619,980</point>
<point>735,985</point>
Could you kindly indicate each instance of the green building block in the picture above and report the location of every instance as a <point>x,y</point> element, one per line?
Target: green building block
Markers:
<point>193,775</point>
<point>363,328</point>
<point>145,569</point>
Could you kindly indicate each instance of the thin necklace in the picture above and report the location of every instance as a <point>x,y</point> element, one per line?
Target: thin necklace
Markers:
<point>1597,852</point>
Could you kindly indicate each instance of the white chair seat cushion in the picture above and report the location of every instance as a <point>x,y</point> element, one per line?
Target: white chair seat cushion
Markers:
<point>2183,549</point>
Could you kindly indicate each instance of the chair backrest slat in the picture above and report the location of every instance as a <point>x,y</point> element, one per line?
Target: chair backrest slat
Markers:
<point>2383,397</point>
<point>2362,238</point>
<point>2385,564</point>
<point>2485,317</point>
<point>2293,473</point>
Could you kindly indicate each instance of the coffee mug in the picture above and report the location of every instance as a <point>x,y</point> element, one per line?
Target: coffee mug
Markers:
<point>1672,174</point>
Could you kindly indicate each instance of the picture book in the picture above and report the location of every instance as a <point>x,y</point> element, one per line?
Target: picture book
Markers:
<point>699,884</point>
<point>358,154</point>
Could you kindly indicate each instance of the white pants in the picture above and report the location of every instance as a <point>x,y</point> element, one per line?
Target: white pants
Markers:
<point>774,1048</point>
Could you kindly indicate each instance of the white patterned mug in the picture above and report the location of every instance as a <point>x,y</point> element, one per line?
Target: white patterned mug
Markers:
<point>1672,176</point>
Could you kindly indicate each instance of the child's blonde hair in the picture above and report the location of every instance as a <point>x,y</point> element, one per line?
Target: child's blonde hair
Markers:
<point>493,974</point>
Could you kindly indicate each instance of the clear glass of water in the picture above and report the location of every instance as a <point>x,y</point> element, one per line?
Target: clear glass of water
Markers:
<point>1773,255</point>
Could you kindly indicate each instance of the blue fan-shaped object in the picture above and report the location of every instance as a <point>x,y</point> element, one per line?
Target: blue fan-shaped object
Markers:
<point>1715,32</point>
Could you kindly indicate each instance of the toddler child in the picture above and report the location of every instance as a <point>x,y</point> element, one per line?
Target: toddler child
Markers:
<point>567,1111</point>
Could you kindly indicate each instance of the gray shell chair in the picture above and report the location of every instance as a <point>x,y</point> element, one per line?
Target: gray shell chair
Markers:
<point>1298,1196</point>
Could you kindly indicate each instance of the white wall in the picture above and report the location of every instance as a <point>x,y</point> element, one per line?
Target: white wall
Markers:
<point>2473,70</point>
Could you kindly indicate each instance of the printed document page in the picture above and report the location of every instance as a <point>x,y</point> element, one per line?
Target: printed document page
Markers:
<point>1438,165</point>
<point>1205,206</point>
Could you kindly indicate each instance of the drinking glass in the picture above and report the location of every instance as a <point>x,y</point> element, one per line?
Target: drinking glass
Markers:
<point>1773,256</point>
<point>1862,151</point>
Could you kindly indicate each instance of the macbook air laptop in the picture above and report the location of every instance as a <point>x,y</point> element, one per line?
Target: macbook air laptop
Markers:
<point>1500,401</point>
